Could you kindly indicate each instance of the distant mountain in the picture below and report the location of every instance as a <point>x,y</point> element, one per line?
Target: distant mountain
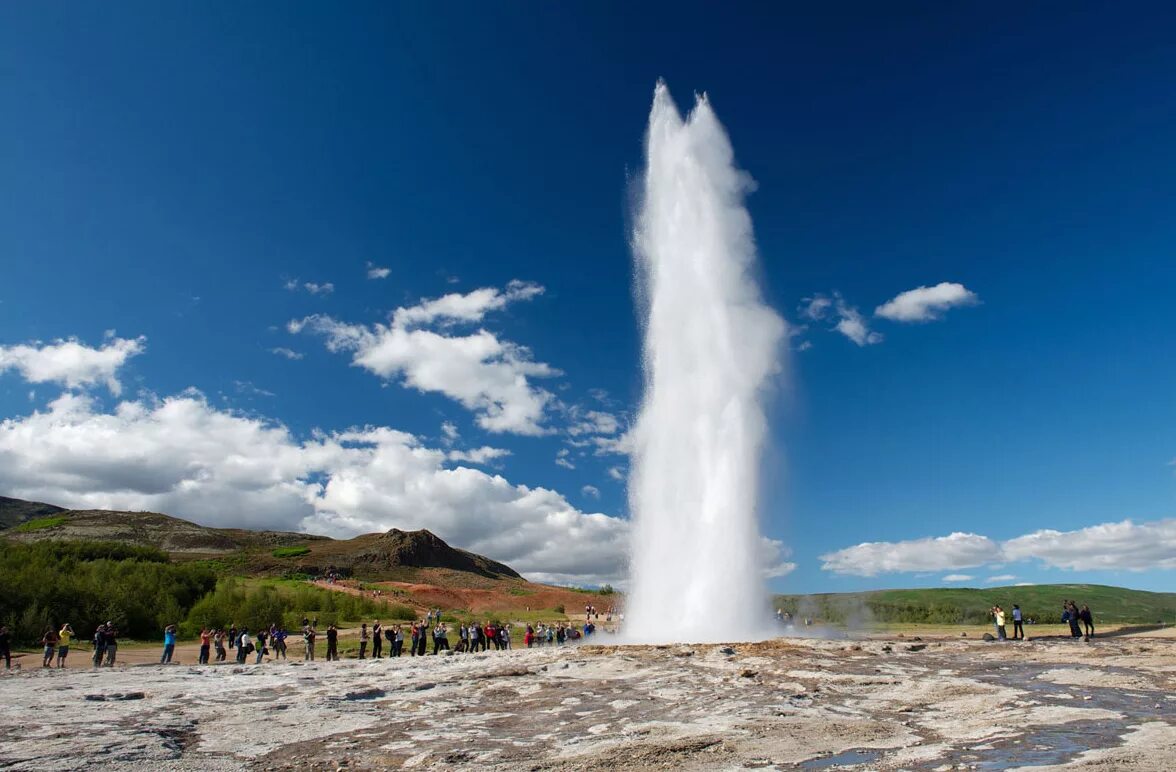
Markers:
<point>374,556</point>
<point>16,511</point>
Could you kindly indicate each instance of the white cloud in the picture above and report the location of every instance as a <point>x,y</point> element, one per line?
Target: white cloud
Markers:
<point>449,432</point>
<point>773,552</point>
<point>959,550</point>
<point>487,375</point>
<point>483,455</point>
<point>924,304</point>
<point>326,288</point>
<point>72,363</point>
<point>617,473</point>
<point>591,490</point>
<point>561,459</point>
<point>1124,546</point>
<point>469,307</point>
<point>1000,578</point>
<point>290,354</point>
<point>182,456</point>
<point>377,272</point>
<point>849,320</point>
<point>593,422</point>
<point>250,389</point>
<point>957,578</point>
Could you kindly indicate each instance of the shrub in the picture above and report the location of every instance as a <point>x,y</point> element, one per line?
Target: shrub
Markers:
<point>560,609</point>
<point>290,552</point>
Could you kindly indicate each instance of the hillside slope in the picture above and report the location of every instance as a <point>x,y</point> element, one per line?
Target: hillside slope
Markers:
<point>394,555</point>
<point>952,605</point>
<point>13,512</point>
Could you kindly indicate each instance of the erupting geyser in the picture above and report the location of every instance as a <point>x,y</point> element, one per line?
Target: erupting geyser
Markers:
<point>711,347</point>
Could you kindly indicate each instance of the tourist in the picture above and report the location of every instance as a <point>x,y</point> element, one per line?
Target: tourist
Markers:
<point>397,641</point>
<point>377,639</point>
<point>169,644</point>
<point>1018,627</point>
<point>280,636</point>
<point>308,636</point>
<point>6,647</point>
<point>491,634</point>
<point>1071,616</point>
<point>98,642</point>
<point>390,638</point>
<point>472,634</point>
<point>110,642</point>
<point>998,622</point>
<point>528,636</point>
<point>244,645</point>
<point>440,639</point>
<point>218,641</point>
<point>463,637</point>
<point>49,641</point>
<point>332,643</point>
<point>205,646</point>
<point>261,648</point>
<point>233,634</point>
<point>363,640</point>
<point>422,640</point>
<point>1087,621</point>
<point>64,636</point>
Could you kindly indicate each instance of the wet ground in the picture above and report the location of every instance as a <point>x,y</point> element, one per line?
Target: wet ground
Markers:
<point>899,704</point>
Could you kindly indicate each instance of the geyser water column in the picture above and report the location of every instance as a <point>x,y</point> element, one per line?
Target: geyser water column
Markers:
<point>711,349</point>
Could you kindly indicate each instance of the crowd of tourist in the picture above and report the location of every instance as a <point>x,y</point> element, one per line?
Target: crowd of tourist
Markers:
<point>1071,615</point>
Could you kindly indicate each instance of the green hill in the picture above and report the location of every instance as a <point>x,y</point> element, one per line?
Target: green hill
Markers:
<point>952,605</point>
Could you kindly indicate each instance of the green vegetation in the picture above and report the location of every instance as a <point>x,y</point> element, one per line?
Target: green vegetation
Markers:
<point>290,552</point>
<point>970,606</point>
<point>40,524</point>
<point>256,603</point>
<point>606,590</point>
<point>87,583</point>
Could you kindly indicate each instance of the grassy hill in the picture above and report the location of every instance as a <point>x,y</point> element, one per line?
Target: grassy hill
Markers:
<point>960,605</point>
<point>13,512</point>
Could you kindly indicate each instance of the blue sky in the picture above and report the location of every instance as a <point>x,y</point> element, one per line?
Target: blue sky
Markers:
<point>170,172</point>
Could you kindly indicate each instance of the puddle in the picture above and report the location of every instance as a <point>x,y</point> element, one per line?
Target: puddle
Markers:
<point>843,759</point>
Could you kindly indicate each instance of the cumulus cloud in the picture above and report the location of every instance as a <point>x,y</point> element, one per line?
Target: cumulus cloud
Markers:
<point>1123,546</point>
<point>326,288</point>
<point>1000,578</point>
<point>561,459</point>
<point>591,490</point>
<point>468,307</point>
<point>486,374</point>
<point>483,455</point>
<point>772,556</point>
<point>958,550</point>
<point>449,432</point>
<point>593,422</point>
<point>377,272</point>
<point>288,353</point>
<point>182,456</point>
<point>924,304</point>
<point>617,473</point>
<point>71,363</point>
<point>957,578</point>
<point>849,321</point>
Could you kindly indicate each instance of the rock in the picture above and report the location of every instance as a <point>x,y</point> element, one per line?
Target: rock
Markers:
<point>365,694</point>
<point>423,686</point>
<point>916,647</point>
<point>727,650</point>
<point>963,635</point>
<point>887,649</point>
<point>747,673</point>
<point>989,637</point>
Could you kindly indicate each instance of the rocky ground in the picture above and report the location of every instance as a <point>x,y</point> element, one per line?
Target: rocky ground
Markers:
<point>808,704</point>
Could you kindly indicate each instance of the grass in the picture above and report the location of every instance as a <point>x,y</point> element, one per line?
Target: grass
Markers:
<point>290,552</point>
<point>969,606</point>
<point>39,524</point>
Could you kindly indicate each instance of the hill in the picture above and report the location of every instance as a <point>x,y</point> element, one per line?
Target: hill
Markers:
<point>394,555</point>
<point>13,512</point>
<point>958,605</point>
